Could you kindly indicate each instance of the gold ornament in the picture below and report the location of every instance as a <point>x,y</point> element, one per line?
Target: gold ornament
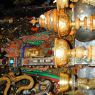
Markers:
<point>65,82</point>
<point>91,2</point>
<point>62,52</point>
<point>58,21</point>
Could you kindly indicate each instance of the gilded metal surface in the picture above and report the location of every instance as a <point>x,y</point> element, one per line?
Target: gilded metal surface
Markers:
<point>88,22</point>
<point>62,4</point>
<point>63,24</point>
<point>61,49</point>
<point>62,52</point>
<point>83,10</point>
<point>64,82</point>
<point>31,52</point>
<point>86,83</point>
<point>55,20</point>
<point>91,2</point>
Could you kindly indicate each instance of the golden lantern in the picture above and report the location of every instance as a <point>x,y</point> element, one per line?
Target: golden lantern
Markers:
<point>58,21</point>
<point>61,48</point>
<point>55,20</point>
<point>62,52</point>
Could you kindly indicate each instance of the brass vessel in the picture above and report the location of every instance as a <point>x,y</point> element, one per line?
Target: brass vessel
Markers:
<point>55,20</point>
<point>62,52</point>
<point>65,82</point>
<point>59,21</point>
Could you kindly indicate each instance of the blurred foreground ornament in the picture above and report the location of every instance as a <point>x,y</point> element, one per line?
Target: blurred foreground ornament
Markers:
<point>59,21</point>
<point>83,10</point>
<point>66,82</point>
<point>62,52</point>
<point>52,20</point>
<point>74,0</point>
<point>61,4</point>
<point>91,2</point>
<point>85,83</point>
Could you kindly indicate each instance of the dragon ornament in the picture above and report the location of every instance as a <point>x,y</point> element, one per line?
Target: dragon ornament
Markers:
<point>19,78</point>
<point>12,78</point>
<point>7,84</point>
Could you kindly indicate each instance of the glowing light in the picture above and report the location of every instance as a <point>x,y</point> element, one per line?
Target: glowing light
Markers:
<point>62,24</point>
<point>87,87</point>
<point>54,1</point>
<point>81,11</point>
<point>63,82</point>
<point>42,16</point>
<point>82,16</point>
<point>59,53</point>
